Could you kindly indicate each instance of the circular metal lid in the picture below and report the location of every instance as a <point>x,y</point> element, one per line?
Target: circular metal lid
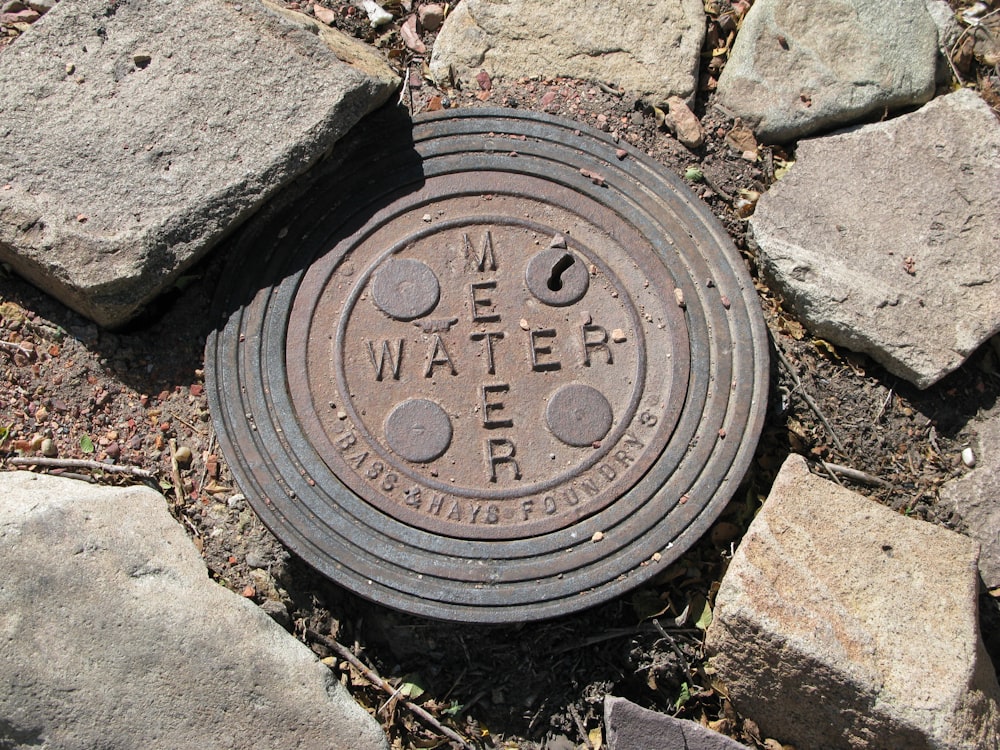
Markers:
<point>498,369</point>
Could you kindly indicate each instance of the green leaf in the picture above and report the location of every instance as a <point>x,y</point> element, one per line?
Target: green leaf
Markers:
<point>702,611</point>
<point>693,174</point>
<point>454,709</point>
<point>410,687</point>
<point>165,485</point>
<point>683,697</point>
<point>86,444</point>
<point>5,433</point>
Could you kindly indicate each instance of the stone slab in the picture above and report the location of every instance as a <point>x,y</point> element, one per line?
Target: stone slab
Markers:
<point>841,624</point>
<point>798,66</point>
<point>886,239</point>
<point>113,636</point>
<point>631,727</point>
<point>136,135</point>
<point>650,48</point>
<point>976,497</point>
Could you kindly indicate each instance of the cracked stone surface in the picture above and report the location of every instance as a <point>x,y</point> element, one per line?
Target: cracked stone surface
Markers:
<point>113,636</point>
<point>842,624</point>
<point>650,48</point>
<point>886,239</point>
<point>799,66</point>
<point>137,135</point>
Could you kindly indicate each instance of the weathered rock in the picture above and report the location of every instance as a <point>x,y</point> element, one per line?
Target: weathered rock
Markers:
<point>631,727</point>
<point>799,66</point>
<point>431,16</point>
<point>648,47</point>
<point>886,239</point>
<point>684,123</point>
<point>113,636</point>
<point>976,498</point>
<point>140,168</point>
<point>841,624</point>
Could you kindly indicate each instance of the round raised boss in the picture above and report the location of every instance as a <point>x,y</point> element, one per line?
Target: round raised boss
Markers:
<point>491,368</point>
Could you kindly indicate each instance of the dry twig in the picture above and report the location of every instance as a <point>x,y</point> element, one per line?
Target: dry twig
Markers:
<point>808,399</point>
<point>855,475</point>
<point>370,675</point>
<point>79,463</point>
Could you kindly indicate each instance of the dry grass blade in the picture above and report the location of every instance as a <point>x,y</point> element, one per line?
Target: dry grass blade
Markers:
<point>79,463</point>
<point>369,674</point>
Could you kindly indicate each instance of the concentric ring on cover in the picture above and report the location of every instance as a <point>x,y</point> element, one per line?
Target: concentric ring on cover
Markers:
<point>311,363</point>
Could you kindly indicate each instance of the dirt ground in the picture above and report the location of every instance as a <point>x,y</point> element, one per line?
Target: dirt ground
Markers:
<point>136,398</point>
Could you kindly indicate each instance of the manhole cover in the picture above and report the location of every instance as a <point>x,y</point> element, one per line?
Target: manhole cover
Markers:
<point>502,371</point>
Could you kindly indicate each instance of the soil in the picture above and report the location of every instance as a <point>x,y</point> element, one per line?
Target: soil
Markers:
<point>132,396</point>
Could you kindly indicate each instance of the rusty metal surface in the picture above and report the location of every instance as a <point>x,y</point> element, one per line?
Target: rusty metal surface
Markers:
<point>461,356</point>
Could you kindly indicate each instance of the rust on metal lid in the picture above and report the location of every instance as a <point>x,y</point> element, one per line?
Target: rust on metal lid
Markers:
<point>462,360</point>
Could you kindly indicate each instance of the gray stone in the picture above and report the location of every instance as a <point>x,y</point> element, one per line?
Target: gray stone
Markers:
<point>799,66</point>
<point>976,497</point>
<point>631,727</point>
<point>886,239</point>
<point>139,169</point>
<point>113,636</point>
<point>841,624</point>
<point>649,47</point>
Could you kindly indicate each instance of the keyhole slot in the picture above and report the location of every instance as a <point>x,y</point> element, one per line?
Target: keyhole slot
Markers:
<point>562,265</point>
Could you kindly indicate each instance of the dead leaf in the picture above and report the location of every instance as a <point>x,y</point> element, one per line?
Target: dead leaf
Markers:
<point>741,138</point>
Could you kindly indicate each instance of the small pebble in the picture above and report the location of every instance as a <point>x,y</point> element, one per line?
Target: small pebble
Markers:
<point>524,324</point>
<point>49,448</point>
<point>183,455</point>
<point>968,457</point>
<point>679,297</point>
<point>618,335</point>
<point>657,557</point>
<point>598,536</point>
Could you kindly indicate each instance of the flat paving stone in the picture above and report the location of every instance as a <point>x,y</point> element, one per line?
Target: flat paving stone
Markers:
<point>976,497</point>
<point>886,239</point>
<point>632,727</point>
<point>798,66</point>
<point>650,48</point>
<point>113,636</point>
<point>136,135</point>
<point>842,624</point>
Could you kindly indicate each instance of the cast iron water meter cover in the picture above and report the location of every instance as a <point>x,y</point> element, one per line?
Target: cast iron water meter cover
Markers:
<point>494,368</point>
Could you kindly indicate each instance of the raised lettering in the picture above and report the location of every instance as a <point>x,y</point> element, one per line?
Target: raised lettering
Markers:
<point>436,502</point>
<point>550,505</point>
<point>591,486</point>
<point>526,507</point>
<point>455,514</point>
<point>389,482</point>
<point>438,355</point>
<point>595,337</point>
<point>496,456</point>
<point>606,471</point>
<point>631,441</point>
<point>345,441</point>
<point>492,514</point>
<point>623,458</point>
<point>538,350</point>
<point>358,460</point>
<point>395,358</point>
<point>374,470</point>
<point>488,337</point>
<point>494,406</point>
<point>486,258</point>
<point>475,512</point>
<point>571,497</point>
<point>412,497</point>
<point>482,307</point>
